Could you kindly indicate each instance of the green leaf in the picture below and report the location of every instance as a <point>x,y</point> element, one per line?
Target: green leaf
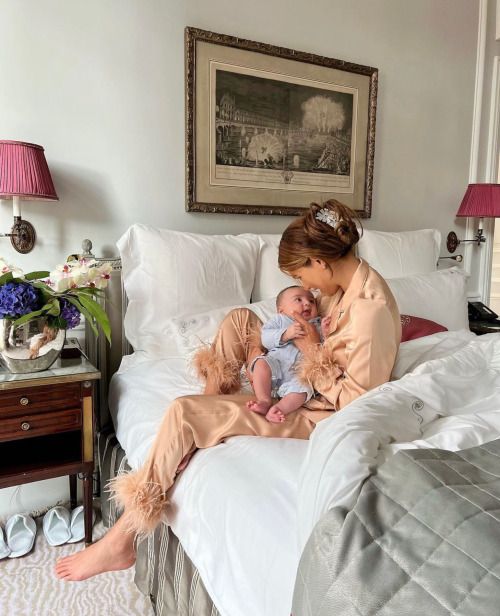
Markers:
<point>40,285</point>
<point>46,296</point>
<point>28,317</point>
<point>7,277</point>
<point>53,307</point>
<point>98,313</point>
<point>36,275</point>
<point>59,322</point>
<point>89,291</point>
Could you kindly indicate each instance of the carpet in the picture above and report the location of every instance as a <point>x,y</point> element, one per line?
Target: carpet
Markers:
<point>29,587</point>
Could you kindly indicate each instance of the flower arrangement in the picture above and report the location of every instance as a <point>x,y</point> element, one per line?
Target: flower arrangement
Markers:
<point>62,296</point>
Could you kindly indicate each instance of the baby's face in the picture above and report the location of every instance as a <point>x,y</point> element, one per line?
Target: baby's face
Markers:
<point>300,301</point>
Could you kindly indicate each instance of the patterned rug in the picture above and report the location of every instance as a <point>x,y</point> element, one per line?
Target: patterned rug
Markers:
<point>28,586</point>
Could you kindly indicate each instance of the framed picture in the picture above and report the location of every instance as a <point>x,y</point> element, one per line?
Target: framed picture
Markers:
<point>270,130</point>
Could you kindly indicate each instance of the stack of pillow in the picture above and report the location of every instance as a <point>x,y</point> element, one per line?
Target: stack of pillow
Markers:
<point>180,285</point>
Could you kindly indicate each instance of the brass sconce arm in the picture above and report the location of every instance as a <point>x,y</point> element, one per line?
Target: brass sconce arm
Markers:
<point>452,240</point>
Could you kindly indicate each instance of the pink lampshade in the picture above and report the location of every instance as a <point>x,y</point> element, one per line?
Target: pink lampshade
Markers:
<point>24,172</point>
<point>481,201</point>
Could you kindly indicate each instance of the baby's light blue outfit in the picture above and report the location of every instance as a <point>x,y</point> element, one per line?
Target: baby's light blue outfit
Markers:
<point>282,357</point>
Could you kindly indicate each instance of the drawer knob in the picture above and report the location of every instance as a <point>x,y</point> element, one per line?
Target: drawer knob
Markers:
<point>24,401</point>
<point>25,426</point>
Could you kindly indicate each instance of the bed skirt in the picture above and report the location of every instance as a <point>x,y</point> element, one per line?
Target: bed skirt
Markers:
<point>163,570</point>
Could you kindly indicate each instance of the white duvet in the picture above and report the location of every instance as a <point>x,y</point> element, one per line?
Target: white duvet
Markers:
<point>245,508</point>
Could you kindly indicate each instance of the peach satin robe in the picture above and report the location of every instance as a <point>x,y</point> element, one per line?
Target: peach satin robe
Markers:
<point>360,350</point>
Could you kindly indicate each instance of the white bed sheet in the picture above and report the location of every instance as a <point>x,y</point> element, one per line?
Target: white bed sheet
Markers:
<point>243,510</point>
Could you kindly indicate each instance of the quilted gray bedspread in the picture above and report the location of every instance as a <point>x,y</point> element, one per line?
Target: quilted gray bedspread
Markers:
<point>422,539</point>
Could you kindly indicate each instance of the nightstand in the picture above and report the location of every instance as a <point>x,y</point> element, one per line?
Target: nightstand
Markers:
<point>484,327</point>
<point>47,427</point>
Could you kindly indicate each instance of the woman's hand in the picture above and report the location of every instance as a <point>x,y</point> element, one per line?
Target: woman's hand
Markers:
<point>325,326</point>
<point>311,336</point>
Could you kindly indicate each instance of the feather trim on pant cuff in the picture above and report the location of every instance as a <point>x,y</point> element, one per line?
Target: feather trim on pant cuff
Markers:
<point>222,373</point>
<point>144,501</point>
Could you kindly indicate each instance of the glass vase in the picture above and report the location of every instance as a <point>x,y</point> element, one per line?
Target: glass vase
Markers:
<point>31,347</point>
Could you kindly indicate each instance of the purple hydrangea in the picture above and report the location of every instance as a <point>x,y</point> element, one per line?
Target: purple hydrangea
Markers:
<point>17,299</point>
<point>69,313</point>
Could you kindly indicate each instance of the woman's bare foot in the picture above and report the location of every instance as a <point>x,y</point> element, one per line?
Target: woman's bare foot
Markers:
<point>258,406</point>
<point>115,551</point>
<point>275,415</point>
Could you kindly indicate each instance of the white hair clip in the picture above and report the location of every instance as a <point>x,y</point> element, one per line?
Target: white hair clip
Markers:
<point>326,215</point>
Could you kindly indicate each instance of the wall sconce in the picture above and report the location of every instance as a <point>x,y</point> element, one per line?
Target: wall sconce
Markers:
<point>480,201</point>
<point>24,175</point>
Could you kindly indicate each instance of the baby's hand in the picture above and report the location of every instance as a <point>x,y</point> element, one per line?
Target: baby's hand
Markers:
<point>325,326</point>
<point>295,330</point>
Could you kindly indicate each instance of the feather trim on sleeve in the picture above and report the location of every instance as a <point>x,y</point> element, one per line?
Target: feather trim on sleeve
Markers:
<point>318,369</point>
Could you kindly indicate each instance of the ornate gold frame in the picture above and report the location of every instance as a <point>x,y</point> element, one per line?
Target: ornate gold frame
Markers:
<point>194,36</point>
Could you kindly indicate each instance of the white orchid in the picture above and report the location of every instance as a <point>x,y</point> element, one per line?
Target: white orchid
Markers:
<point>82,273</point>
<point>59,282</point>
<point>6,267</point>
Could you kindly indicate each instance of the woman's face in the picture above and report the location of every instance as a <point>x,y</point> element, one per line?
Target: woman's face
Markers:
<point>317,275</point>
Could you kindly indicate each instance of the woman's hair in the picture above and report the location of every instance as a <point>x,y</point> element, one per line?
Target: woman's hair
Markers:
<point>327,231</point>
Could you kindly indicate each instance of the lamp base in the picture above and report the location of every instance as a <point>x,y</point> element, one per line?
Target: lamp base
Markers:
<point>23,235</point>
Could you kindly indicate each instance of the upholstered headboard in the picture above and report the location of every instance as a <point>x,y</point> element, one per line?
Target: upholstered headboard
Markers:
<point>105,357</point>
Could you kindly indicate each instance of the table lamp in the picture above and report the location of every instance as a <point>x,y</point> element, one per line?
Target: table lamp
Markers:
<point>24,174</point>
<point>480,201</point>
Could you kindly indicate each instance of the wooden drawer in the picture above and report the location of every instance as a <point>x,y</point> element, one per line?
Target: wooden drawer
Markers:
<point>26,426</point>
<point>20,402</point>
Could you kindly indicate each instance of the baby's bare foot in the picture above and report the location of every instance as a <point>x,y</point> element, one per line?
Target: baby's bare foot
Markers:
<point>258,406</point>
<point>275,415</point>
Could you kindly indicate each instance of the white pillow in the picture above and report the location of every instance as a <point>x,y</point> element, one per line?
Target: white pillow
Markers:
<point>440,296</point>
<point>402,253</point>
<point>171,273</point>
<point>269,279</point>
<point>391,254</point>
<point>190,332</point>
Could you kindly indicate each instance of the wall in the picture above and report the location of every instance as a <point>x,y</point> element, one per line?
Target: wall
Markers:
<point>494,300</point>
<point>101,86</point>
<point>488,146</point>
<point>492,49</point>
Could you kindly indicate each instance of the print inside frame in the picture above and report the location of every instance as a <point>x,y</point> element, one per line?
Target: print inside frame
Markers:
<point>270,130</point>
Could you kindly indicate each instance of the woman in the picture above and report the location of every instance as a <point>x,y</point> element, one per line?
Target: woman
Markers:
<point>357,355</point>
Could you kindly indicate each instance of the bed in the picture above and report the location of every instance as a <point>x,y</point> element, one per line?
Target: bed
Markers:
<point>244,514</point>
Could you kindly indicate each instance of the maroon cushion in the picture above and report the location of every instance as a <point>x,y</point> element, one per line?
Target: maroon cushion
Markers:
<point>415,327</point>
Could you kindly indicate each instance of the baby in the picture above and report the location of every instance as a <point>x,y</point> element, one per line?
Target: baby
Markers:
<point>276,369</point>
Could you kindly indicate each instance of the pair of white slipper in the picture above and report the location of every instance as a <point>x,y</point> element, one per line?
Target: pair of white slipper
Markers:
<point>60,526</point>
